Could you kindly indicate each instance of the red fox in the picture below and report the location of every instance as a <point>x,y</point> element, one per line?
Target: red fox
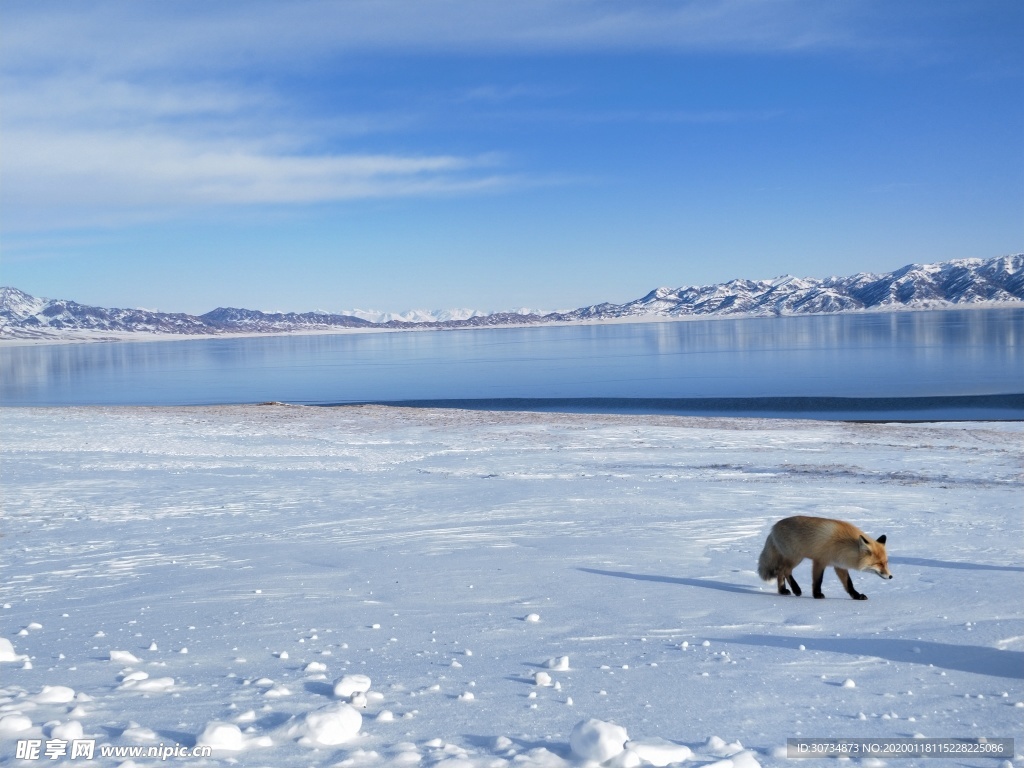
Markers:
<point>826,542</point>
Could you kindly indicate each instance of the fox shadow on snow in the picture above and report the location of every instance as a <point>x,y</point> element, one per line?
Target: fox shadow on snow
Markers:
<point>705,583</point>
<point>977,659</point>
<point>927,563</point>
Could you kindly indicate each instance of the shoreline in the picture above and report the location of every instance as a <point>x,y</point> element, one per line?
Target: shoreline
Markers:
<point>962,410</point>
<point>93,337</point>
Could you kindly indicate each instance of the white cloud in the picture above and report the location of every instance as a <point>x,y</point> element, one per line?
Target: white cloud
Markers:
<point>101,138</point>
<point>126,107</point>
<point>87,98</point>
<point>135,171</point>
<point>137,36</point>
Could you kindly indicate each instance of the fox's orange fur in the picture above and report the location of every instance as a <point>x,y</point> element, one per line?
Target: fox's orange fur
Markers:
<point>826,542</point>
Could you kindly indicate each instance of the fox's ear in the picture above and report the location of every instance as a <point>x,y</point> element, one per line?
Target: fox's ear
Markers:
<point>881,539</point>
<point>864,541</point>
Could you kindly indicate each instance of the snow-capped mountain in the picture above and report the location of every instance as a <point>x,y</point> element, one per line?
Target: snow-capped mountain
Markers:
<point>915,286</point>
<point>252,320</point>
<point>25,316</point>
<point>414,315</point>
<point>432,315</point>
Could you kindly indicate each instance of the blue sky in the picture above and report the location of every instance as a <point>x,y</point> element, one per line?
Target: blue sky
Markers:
<point>392,154</point>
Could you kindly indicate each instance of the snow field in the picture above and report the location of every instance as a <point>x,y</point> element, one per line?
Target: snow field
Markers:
<point>369,586</point>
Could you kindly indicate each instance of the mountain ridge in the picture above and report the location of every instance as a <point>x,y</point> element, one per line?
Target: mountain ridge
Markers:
<point>960,282</point>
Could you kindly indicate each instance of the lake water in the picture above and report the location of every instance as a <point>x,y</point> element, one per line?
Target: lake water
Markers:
<point>941,364</point>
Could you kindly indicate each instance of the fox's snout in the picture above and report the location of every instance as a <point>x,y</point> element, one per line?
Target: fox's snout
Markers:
<point>882,571</point>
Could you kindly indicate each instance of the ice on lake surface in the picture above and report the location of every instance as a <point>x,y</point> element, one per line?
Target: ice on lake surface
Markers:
<point>911,365</point>
<point>387,586</point>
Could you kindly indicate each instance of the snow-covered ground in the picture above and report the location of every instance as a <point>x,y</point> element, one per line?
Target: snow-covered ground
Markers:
<point>497,589</point>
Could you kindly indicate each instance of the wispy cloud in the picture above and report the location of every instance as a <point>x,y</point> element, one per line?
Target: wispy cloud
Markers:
<point>137,171</point>
<point>87,144</point>
<point>131,107</point>
<point>110,36</point>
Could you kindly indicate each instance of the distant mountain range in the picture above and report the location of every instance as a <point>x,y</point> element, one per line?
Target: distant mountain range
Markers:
<point>428,316</point>
<point>916,286</point>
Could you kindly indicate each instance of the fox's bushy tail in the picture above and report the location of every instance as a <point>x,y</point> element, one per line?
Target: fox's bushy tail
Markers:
<point>770,561</point>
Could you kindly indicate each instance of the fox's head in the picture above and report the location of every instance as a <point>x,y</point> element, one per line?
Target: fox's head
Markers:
<point>873,556</point>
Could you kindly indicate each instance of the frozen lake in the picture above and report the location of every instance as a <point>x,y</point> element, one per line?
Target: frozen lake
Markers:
<point>941,364</point>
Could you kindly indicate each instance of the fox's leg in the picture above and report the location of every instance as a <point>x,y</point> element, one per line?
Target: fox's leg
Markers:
<point>793,584</point>
<point>786,574</point>
<point>844,576</point>
<point>781,579</point>
<point>817,573</point>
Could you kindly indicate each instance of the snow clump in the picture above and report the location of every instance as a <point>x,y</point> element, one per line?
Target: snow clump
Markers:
<point>7,651</point>
<point>659,752</point>
<point>70,731</point>
<point>597,740</point>
<point>54,694</point>
<point>345,686</point>
<point>327,726</point>
<point>123,657</point>
<point>15,723</point>
<point>221,735</point>
<point>736,756</point>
